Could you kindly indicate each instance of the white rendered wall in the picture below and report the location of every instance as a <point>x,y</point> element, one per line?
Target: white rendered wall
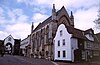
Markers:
<point>25,43</point>
<point>74,46</point>
<point>6,40</point>
<point>66,47</point>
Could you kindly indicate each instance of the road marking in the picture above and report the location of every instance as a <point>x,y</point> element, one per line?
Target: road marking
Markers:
<point>54,63</point>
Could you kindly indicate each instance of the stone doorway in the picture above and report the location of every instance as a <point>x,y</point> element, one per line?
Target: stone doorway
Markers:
<point>77,55</point>
<point>8,48</point>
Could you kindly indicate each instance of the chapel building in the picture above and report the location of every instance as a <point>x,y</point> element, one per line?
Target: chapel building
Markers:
<point>56,38</point>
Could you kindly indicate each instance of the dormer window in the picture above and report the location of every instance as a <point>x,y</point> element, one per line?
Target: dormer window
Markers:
<point>90,37</point>
<point>90,32</point>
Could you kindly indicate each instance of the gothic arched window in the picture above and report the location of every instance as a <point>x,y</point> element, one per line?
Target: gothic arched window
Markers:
<point>47,34</point>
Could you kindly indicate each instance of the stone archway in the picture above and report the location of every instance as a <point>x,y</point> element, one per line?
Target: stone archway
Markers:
<point>64,20</point>
<point>8,48</point>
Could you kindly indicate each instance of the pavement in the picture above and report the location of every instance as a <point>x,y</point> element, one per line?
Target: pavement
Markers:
<point>96,62</point>
<point>21,60</point>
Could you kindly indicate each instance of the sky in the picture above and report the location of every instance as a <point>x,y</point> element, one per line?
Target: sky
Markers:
<point>16,16</point>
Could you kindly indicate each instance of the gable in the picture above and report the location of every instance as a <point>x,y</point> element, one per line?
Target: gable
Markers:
<point>89,37</point>
<point>65,32</point>
<point>89,34</point>
<point>63,17</point>
<point>9,39</point>
<point>62,36</point>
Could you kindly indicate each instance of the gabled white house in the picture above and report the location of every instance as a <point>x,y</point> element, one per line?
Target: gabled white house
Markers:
<point>24,44</point>
<point>71,44</point>
<point>9,39</point>
<point>63,44</point>
<point>11,45</point>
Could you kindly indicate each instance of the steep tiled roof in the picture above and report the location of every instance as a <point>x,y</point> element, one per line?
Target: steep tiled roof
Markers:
<point>88,31</point>
<point>26,38</point>
<point>48,20</point>
<point>97,37</point>
<point>76,32</point>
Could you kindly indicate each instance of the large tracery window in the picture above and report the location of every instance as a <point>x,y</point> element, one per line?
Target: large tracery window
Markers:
<point>42,36</point>
<point>47,34</point>
<point>39,38</point>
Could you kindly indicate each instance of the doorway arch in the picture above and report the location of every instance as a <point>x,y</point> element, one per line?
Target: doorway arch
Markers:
<point>8,48</point>
<point>77,55</point>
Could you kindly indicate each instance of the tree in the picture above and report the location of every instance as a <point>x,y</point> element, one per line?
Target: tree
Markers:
<point>97,21</point>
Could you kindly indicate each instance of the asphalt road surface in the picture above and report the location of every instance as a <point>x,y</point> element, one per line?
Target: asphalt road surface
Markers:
<point>18,60</point>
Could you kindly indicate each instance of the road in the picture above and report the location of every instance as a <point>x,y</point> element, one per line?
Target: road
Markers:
<point>18,60</point>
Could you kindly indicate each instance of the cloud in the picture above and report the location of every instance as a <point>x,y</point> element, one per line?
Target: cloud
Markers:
<point>84,18</point>
<point>44,2</point>
<point>17,15</point>
<point>35,2</point>
<point>70,5</point>
<point>3,34</point>
<point>19,30</point>
<point>27,2</point>
<point>1,11</point>
<point>60,3</point>
<point>2,18</point>
<point>38,17</point>
<point>82,3</point>
<point>16,23</point>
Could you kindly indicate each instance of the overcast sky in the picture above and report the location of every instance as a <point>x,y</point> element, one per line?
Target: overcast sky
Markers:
<point>16,16</point>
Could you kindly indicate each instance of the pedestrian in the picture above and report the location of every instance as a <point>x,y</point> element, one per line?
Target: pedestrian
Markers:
<point>2,51</point>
